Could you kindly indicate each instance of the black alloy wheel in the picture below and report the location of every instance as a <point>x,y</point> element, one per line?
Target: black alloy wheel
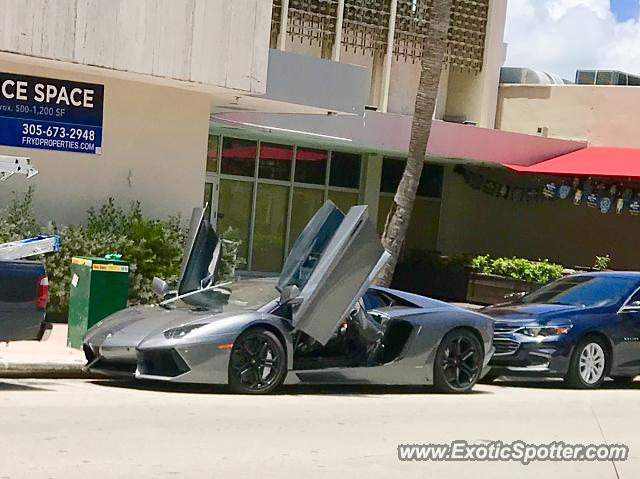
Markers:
<point>258,362</point>
<point>458,362</point>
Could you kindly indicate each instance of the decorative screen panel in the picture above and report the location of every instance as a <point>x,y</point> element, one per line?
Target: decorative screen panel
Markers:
<point>313,21</point>
<point>365,27</point>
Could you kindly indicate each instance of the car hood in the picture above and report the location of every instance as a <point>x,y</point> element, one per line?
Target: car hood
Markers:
<point>527,313</point>
<point>129,327</point>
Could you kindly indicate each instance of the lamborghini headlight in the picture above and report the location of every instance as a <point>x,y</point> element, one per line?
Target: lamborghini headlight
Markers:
<point>181,331</point>
<point>544,331</point>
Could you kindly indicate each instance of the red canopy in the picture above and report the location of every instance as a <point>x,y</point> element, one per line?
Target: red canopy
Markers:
<point>590,161</point>
<point>268,152</point>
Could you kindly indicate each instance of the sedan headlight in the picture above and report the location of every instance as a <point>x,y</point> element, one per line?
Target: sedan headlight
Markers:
<point>181,331</point>
<point>544,331</point>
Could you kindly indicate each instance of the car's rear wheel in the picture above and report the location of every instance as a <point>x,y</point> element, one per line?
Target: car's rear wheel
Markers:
<point>258,362</point>
<point>458,362</point>
<point>588,366</point>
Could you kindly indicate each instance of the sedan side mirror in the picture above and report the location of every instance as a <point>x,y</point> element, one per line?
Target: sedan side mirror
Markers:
<point>291,295</point>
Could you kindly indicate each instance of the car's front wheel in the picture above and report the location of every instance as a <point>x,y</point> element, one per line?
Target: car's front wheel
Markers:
<point>458,362</point>
<point>258,362</point>
<point>588,366</point>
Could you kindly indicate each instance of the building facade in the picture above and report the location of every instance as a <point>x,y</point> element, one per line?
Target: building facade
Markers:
<point>261,110</point>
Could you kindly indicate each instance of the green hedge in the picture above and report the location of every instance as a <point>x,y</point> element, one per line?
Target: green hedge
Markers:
<point>153,247</point>
<point>517,268</point>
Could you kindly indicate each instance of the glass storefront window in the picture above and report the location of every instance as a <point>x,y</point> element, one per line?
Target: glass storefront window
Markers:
<point>343,199</point>
<point>234,211</point>
<point>212,154</point>
<point>430,181</point>
<point>272,204</point>
<point>275,162</point>
<point>239,157</point>
<point>311,166</point>
<point>345,170</point>
<point>306,201</point>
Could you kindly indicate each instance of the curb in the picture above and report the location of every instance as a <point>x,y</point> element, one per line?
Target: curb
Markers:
<point>36,370</point>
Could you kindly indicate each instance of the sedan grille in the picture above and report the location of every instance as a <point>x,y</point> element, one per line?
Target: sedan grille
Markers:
<point>505,346</point>
<point>162,362</point>
<point>505,329</point>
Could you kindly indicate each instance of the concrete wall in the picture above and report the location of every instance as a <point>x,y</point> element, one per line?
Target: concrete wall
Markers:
<point>601,115</point>
<point>474,222</point>
<point>154,150</point>
<point>214,42</point>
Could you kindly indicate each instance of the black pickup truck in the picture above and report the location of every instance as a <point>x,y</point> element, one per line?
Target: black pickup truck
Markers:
<point>24,292</point>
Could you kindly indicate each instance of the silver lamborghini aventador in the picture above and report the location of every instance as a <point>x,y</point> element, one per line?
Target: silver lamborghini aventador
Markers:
<point>321,321</point>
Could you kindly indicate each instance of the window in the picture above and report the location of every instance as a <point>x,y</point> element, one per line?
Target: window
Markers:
<point>345,170</point>
<point>430,180</point>
<point>270,227</point>
<point>238,157</point>
<point>275,162</point>
<point>311,166</point>
<point>212,154</point>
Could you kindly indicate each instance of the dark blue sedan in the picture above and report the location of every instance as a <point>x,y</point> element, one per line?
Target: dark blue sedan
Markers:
<point>582,328</point>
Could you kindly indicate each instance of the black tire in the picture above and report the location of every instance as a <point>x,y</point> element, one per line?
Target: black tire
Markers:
<point>623,380</point>
<point>258,362</point>
<point>458,363</point>
<point>589,360</point>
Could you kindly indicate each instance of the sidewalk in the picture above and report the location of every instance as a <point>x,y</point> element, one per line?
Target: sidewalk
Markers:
<point>51,358</point>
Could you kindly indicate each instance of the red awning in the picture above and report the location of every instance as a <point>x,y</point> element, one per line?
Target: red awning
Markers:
<point>268,152</point>
<point>590,161</point>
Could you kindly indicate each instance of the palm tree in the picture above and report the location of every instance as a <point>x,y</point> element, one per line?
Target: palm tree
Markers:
<point>397,224</point>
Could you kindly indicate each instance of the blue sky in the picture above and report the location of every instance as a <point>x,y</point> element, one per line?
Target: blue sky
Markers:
<point>625,9</point>
<point>561,36</point>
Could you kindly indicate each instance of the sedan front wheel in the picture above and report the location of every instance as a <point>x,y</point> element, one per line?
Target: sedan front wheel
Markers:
<point>588,367</point>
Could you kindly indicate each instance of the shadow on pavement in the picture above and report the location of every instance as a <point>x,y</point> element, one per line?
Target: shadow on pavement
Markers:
<point>10,386</point>
<point>559,384</point>
<point>287,390</point>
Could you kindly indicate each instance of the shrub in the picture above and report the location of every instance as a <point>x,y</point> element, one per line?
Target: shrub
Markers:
<point>518,268</point>
<point>602,262</point>
<point>152,247</point>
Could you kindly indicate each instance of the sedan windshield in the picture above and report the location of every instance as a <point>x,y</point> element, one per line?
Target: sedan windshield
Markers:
<point>583,291</point>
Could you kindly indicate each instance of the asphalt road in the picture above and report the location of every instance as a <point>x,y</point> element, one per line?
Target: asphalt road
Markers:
<point>79,429</point>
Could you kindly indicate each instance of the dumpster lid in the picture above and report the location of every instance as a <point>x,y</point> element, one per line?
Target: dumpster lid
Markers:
<point>201,255</point>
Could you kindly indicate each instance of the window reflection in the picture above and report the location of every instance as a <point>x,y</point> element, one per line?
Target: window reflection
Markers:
<point>275,162</point>
<point>238,157</point>
<point>345,170</point>
<point>212,154</point>
<point>311,166</point>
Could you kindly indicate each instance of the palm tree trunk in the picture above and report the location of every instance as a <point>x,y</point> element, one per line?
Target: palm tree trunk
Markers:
<point>397,225</point>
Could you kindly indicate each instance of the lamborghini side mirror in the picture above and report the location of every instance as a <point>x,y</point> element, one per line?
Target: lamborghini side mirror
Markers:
<point>291,295</point>
<point>160,287</point>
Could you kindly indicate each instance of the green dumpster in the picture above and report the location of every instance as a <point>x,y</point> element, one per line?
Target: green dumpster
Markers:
<point>99,287</point>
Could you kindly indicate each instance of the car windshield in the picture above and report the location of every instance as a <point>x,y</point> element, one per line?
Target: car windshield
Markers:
<point>583,291</point>
<point>248,294</point>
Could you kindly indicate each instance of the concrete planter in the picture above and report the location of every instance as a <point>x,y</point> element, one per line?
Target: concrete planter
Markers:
<point>492,289</point>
